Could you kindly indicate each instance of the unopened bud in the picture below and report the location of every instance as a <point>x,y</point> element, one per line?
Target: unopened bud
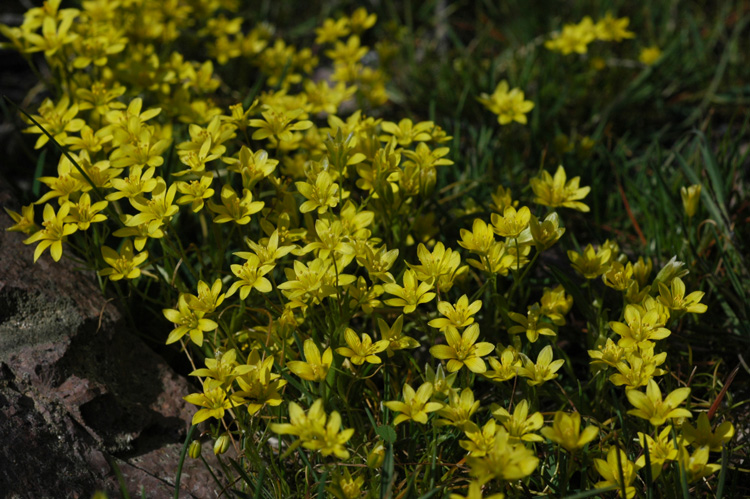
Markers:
<point>222,444</point>
<point>691,196</point>
<point>376,456</point>
<point>194,450</point>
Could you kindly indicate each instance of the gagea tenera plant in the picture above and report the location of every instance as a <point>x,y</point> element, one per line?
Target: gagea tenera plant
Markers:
<point>345,345</point>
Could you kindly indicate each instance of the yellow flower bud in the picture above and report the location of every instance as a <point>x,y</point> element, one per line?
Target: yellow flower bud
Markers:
<point>194,450</point>
<point>222,444</point>
<point>376,456</point>
<point>690,198</point>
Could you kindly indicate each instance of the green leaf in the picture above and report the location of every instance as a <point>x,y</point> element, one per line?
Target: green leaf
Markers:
<point>387,433</point>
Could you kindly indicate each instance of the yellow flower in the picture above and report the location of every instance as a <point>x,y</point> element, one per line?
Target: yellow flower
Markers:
<point>122,265</point>
<point>608,355</point>
<point>134,185</point>
<point>83,213</point>
<point>24,221</point>
<point>279,125</point>
<point>332,30</point>
<point>479,240</point>
<point>233,208</point>
<point>649,55</point>
<point>411,295</point>
<point>458,316</point>
<point>441,383</point>
<point>696,464</point>
<point>53,233</point>
<point>574,38</point>
<point>481,441</point>
<point>619,276</point>
<point>691,197</point>
<point>611,29</point>
<point>214,402</point>
<point>558,191</point>
<point>306,426</point>
<point>547,232</point>
<point>394,336</point>
<point>505,461</point>
<point>508,104</point>
<point>660,450</point>
<point>361,20</point>
<point>590,264</point>
<point>406,131</point>
<point>459,410</point>
<point>463,350</point>
<point>315,367</point>
<point>642,326</point>
<point>250,276</point>
<point>320,195</point>
<point>507,367</point>
<point>57,119</point>
<point>702,435</point>
<point>438,267</point>
<point>188,322</point>
<point>674,298</point>
<point>520,425</point>
<point>543,370</point>
<point>566,431</point>
<point>512,222</point>
<point>651,407</point>
<point>208,299</point>
<point>158,210</point>
<point>195,192</point>
<point>362,350</point>
<point>531,324</point>
<point>416,405</point>
<point>222,368</point>
<point>610,471</point>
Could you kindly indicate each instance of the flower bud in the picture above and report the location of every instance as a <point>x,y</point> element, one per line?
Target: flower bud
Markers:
<point>691,196</point>
<point>376,456</point>
<point>222,444</point>
<point>194,451</point>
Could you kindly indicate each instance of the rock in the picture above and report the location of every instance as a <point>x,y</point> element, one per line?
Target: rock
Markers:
<point>79,392</point>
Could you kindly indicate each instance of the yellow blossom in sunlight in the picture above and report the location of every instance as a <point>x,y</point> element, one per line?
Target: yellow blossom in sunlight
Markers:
<point>508,104</point>
<point>547,232</point>
<point>505,461</point>
<point>696,464</point>
<point>411,295</point>
<point>234,208</point>
<point>53,232</point>
<point>641,325</point>
<point>315,367</point>
<point>195,192</point>
<point>208,299</point>
<point>674,298</point>
<point>24,221</point>
<point>459,410</point>
<point>463,350</point>
<point>543,370</point>
<point>361,351</point>
<point>660,449</point>
<point>250,275</point>
<point>590,264</point>
<point>320,195</point>
<point>506,367</point>
<point>651,407</point>
<point>512,222</point>
<point>531,324</point>
<point>122,265</point>
<point>188,321</point>
<point>83,213</point>
<point>613,469</point>
<point>520,425</point>
<point>557,191</point>
<point>416,405</point>
<point>394,336</point>
<point>214,402</point>
<point>566,431</point>
<point>458,316</point>
<point>278,124</point>
<point>406,131</point>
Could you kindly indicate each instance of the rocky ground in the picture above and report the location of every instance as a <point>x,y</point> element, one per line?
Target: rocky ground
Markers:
<point>81,395</point>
